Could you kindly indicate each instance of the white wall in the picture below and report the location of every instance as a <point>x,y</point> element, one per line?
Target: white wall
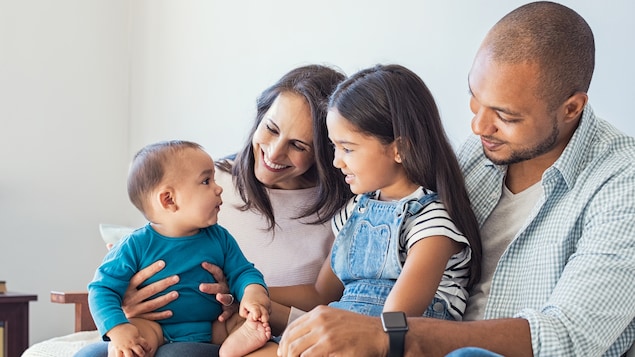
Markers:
<point>64,113</point>
<point>84,84</point>
<point>198,66</point>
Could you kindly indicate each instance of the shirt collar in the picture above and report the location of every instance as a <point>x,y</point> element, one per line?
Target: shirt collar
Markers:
<point>575,155</point>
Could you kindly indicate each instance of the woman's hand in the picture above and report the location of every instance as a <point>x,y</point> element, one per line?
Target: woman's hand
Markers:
<point>135,304</point>
<point>221,289</point>
<point>134,300</point>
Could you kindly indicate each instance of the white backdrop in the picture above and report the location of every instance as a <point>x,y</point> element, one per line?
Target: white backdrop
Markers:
<point>198,67</point>
<point>85,83</point>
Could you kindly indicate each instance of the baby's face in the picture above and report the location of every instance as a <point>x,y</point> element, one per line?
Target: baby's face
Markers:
<point>198,195</point>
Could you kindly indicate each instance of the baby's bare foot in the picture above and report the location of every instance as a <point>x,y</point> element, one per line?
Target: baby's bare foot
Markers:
<point>247,338</point>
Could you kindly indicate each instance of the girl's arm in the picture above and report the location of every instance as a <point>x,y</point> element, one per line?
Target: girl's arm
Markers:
<point>421,275</point>
<point>326,289</point>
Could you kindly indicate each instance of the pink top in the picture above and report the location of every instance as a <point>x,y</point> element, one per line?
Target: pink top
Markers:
<point>291,256</point>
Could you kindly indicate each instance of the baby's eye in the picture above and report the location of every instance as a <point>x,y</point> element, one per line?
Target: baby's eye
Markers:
<point>206,181</point>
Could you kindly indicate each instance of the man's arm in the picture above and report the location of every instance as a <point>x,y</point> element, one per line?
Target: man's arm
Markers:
<point>327,330</point>
<point>434,337</point>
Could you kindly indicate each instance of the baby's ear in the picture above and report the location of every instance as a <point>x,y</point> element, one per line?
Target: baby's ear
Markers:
<point>167,199</point>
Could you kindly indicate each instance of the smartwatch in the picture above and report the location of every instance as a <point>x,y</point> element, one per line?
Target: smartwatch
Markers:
<point>396,326</point>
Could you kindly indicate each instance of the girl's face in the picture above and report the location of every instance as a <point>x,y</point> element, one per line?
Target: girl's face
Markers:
<point>283,144</point>
<point>367,163</point>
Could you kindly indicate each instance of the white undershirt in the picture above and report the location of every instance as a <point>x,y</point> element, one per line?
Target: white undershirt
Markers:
<point>497,232</point>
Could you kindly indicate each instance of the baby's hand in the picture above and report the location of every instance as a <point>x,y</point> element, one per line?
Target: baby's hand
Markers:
<point>255,304</point>
<point>125,340</point>
<point>254,311</point>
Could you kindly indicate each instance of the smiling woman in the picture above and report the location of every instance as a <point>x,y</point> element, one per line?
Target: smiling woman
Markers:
<point>281,188</point>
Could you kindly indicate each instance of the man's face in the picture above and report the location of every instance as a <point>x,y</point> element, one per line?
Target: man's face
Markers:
<point>514,124</point>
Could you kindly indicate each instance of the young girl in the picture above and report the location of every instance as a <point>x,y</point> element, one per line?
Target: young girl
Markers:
<point>408,241</point>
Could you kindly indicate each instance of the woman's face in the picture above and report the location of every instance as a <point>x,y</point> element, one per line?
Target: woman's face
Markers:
<point>283,144</point>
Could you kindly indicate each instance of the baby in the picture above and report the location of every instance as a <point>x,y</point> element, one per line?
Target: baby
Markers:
<point>172,184</point>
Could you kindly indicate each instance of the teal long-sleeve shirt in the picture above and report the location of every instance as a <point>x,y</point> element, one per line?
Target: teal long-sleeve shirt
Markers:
<point>193,311</point>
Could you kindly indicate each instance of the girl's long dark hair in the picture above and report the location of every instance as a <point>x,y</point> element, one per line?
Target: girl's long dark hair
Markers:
<point>392,103</point>
<point>315,83</point>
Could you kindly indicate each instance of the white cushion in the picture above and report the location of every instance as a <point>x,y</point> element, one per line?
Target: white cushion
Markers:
<point>64,346</point>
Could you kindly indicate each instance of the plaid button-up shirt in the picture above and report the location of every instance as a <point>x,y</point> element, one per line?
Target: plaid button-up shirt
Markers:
<point>570,270</point>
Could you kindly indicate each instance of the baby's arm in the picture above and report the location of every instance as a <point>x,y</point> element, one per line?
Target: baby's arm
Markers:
<point>255,304</point>
<point>126,340</point>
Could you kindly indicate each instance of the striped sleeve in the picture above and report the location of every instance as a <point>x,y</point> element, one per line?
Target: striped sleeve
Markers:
<point>434,220</point>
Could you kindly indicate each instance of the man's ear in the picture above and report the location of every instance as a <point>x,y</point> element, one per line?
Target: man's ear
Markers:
<point>574,106</point>
<point>167,199</point>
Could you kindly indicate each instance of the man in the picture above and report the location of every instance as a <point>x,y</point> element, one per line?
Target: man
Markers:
<point>553,188</point>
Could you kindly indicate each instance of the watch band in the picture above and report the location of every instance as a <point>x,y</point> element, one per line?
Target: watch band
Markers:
<point>395,325</point>
<point>397,339</point>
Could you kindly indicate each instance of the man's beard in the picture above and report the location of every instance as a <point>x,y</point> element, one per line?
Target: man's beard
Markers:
<point>530,153</point>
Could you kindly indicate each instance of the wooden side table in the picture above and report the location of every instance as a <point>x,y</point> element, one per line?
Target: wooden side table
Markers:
<point>14,311</point>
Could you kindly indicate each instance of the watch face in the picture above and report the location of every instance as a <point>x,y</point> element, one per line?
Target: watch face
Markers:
<point>394,321</point>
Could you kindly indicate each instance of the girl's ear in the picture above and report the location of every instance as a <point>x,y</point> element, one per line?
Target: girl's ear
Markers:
<point>167,199</point>
<point>396,151</point>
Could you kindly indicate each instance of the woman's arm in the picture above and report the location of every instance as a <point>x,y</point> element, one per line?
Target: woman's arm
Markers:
<point>326,289</point>
<point>278,318</point>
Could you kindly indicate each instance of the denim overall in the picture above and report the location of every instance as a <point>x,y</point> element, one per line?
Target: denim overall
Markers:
<point>365,255</point>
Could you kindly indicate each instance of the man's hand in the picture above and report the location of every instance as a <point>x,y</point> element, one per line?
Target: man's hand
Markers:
<point>326,331</point>
<point>221,289</point>
<point>134,300</point>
